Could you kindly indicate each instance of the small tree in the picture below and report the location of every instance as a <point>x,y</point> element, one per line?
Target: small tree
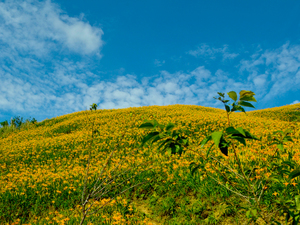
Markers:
<point>4,123</point>
<point>17,121</point>
<point>93,107</point>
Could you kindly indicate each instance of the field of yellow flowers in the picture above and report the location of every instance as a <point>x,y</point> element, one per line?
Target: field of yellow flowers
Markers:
<point>43,167</point>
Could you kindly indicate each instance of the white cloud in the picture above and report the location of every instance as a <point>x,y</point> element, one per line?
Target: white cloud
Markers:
<point>38,28</point>
<point>211,52</point>
<point>280,66</point>
<point>204,50</point>
<point>295,102</point>
<point>37,40</point>
<point>201,75</point>
<point>260,81</point>
<point>158,62</point>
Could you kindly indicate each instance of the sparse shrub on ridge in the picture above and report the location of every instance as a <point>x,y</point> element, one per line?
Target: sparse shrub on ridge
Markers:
<point>16,123</point>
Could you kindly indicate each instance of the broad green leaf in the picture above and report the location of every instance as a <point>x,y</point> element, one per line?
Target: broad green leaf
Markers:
<point>170,126</point>
<point>158,137</point>
<point>289,163</point>
<point>216,136</point>
<point>241,130</point>
<point>178,148</point>
<point>165,142</point>
<point>275,179</point>
<point>149,137</point>
<point>227,108</point>
<point>248,98</point>
<point>147,125</point>
<point>297,201</point>
<point>183,140</point>
<point>175,135</point>
<point>247,104</point>
<point>240,139</point>
<point>221,94</point>
<point>251,136</point>
<point>244,93</point>
<point>280,146</point>
<point>223,146</point>
<point>173,147</point>
<point>254,212</point>
<point>161,126</point>
<point>288,138</point>
<point>236,132</point>
<point>232,95</point>
<point>230,130</point>
<point>239,108</point>
<point>205,140</point>
<point>248,214</point>
<point>294,174</point>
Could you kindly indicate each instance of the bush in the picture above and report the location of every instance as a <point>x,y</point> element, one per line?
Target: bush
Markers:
<point>16,123</point>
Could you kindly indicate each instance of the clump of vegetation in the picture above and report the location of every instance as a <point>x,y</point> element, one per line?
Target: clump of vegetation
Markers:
<point>16,123</point>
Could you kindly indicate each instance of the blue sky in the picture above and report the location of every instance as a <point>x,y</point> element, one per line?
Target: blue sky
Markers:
<point>59,57</point>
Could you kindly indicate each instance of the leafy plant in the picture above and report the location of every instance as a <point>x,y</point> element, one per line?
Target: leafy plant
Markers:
<point>16,123</point>
<point>172,141</point>
<point>4,123</point>
<point>93,106</point>
<point>239,180</point>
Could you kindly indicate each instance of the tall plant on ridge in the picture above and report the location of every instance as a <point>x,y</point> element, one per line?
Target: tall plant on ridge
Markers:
<point>223,140</point>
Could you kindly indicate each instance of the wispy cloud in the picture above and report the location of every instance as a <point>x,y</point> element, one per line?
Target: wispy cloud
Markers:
<point>167,89</point>
<point>159,62</point>
<point>38,28</point>
<point>37,42</point>
<point>295,102</point>
<point>206,51</point>
<point>277,71</point>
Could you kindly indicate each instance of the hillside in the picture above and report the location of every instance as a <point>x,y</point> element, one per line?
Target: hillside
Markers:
<point>43,167</point>
<point>285,113</point>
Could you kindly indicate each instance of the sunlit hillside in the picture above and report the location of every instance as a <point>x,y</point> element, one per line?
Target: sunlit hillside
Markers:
<point>43,166</point>
<point>284,113</point>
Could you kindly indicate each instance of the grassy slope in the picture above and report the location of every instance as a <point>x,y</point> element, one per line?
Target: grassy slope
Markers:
<point>42,167</point>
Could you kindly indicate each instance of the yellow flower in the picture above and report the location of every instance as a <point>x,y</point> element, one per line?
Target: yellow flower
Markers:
<point>294,183</point>
<point>275,193</point>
